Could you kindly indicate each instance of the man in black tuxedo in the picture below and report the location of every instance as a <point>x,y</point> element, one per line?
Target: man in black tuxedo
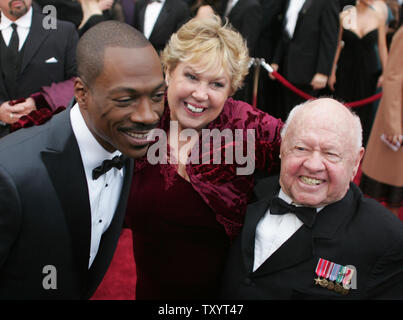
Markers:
<point>159,19</point>
<point>304,54</point>
<point>33,54</point>
<point>61,205</point>
<point>312,212</point>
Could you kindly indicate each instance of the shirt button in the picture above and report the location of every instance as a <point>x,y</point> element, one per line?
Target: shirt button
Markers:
<point>106,185</point>
<point>100,221</point>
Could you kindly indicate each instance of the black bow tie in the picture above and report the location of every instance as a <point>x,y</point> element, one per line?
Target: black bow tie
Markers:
<point>306,214</point>
<point>117,162</point>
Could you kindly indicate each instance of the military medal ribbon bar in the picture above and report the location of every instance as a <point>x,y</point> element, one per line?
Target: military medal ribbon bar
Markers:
<point>333,276</point>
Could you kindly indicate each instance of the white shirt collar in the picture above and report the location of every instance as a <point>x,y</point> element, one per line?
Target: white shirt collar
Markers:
<point>23,22</point>
<point>92,153</point>
<point>159,3</point>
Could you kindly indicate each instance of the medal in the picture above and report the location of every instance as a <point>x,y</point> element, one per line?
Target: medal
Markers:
<point>333,275</point>
<point>322,270</point>
<point>346,280</point>
<point>338,287</point>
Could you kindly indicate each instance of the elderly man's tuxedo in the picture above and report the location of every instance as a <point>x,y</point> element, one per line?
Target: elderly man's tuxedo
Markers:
<point>354,231</point>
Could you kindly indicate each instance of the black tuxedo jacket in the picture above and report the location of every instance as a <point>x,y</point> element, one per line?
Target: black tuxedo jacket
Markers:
<point>246,17</point>
<point>353,231</point>
<point>173,14</point>
<point>45,216</point>
<point>41,45</point>
<point>314,43</point>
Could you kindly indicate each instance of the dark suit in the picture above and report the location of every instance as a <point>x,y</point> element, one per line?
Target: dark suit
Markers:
<point>312,47</point>
<point>45,216</point>
<point>353,231</point>
<point>40,46</point>
<point>68,10</point>
<point>173,15</point>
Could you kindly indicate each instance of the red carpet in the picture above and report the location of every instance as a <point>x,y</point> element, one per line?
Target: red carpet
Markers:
<point>120,280</point>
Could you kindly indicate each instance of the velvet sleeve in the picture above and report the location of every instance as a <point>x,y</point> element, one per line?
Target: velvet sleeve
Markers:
<point>267,139</point>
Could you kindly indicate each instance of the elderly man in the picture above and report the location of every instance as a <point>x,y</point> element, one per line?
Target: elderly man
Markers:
<point>312,234</point>
<point>64,185</point>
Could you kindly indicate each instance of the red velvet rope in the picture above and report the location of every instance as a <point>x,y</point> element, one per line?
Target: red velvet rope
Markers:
<point>306,96</point>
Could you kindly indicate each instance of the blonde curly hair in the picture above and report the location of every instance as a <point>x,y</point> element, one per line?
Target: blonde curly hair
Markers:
<point>209,43</point>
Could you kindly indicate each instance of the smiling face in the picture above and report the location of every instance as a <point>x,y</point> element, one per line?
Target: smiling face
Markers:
<point>15,9</point>
<point>125,101</point>
<point>318,154</point>
<point>196,97</point>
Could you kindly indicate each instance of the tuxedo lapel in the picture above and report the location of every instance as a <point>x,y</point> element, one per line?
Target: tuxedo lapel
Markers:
<point>265,190</point>
<point>253,214</point>
<point>64,164</point>
<point>333,216</point>
<point>302,13</point>
<point>235,9</point>
<point>141,16</point>
<point>296,249</point>
<point>3,91</point>
<point>37,34</point>
<point>223,7</point>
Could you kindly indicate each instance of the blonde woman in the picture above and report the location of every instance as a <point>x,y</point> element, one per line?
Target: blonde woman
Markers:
<point>184,212</point>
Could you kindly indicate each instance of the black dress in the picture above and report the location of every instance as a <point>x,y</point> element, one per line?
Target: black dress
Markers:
<point>357,74</point>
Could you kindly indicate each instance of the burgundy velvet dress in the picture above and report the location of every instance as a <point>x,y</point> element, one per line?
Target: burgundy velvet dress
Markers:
<point>182,230</point>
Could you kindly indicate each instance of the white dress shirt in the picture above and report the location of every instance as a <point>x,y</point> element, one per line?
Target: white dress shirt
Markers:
<point>273,230</point>
<point>23,26</point>
<point>150,16</point>
<point>104,192</point>
<point>294,8</point>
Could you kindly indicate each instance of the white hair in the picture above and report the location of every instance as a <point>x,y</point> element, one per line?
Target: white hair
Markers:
<point>355,122</point>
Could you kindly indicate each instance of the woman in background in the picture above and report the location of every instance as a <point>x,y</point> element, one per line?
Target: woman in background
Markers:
<point>382,167</point>
<point>355,74</point>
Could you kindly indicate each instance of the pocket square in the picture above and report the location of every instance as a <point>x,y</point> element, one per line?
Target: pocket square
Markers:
<point>51,60</point>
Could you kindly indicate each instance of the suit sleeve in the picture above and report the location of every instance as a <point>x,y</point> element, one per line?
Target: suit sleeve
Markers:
<point>70,66</point>
<point>10,214</point>
<point>329,25</point>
